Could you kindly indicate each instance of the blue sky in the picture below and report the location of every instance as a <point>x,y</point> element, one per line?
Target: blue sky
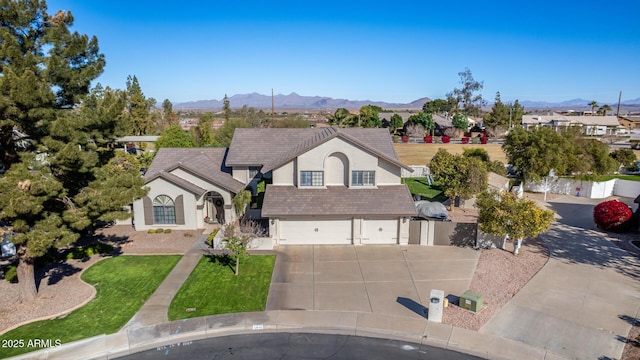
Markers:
<point>363,50</point>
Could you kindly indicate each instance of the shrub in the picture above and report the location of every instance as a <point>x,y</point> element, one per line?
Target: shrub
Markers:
<point>159,231</point>
<point>167,231</point>
<point>82,252</point>
<point>151,231</point>
<point>446,139</point>
<point>612,215</point>
<point>11,274</point>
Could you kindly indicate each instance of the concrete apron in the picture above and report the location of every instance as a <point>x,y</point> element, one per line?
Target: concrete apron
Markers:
<point>379,279</point>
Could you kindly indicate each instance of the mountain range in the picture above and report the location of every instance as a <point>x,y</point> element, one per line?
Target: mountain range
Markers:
<point>299,102</point>
<point>295,101</point>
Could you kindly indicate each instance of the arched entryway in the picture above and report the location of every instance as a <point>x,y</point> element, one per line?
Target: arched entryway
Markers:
<point>214,208</point>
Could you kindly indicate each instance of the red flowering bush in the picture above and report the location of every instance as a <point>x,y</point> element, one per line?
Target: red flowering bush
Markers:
<point>446,139</point>
<point>611,215</point>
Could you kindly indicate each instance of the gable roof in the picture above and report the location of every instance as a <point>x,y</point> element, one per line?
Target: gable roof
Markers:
<point>390,200</point>
<point>206,163</point>
<point>274,147</point>
<point>176,180</point>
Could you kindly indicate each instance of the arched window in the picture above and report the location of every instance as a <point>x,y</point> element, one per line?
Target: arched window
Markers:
<point>164,210</point>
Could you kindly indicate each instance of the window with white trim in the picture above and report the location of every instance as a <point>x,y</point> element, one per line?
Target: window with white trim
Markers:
<point>363,178</point>
<point>164,210</point>
<point>311,178</point>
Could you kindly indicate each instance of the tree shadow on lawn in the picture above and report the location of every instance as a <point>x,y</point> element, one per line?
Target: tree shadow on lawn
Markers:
<point>55,266</point>
<point>224,260</point>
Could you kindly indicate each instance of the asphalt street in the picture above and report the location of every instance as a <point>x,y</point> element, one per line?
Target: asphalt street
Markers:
<point>298,346</point>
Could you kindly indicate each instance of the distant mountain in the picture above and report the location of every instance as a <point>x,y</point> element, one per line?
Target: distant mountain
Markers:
<point>635,101</point>
<point>295,101</point>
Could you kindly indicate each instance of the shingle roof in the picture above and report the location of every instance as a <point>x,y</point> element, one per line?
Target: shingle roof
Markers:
<point>394,200</point>
<point>274,147</point>
<point>206,163</point>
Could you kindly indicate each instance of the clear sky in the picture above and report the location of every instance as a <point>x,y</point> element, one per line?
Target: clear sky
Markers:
<point>394,51</point>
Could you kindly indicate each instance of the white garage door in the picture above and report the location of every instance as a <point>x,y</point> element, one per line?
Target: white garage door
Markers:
<point>380,232</point>
<point>308,232</point>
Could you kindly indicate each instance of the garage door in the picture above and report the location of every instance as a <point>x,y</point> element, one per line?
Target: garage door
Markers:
<point>380,232</point>
<point>307,232</point>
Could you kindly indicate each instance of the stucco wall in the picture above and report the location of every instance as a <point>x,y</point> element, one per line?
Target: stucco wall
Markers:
<point>627,188</point>
<point>163,187</point>
<point>387,173</point>
<point>226,195</point>
<point>590,189</point>
<point>240,173</point>
<point>285,174</point>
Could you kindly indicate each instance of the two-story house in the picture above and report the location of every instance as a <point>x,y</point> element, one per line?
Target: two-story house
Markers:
<point>328,186</point>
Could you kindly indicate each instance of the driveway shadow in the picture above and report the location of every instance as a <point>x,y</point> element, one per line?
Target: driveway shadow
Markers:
<point>574,238</point>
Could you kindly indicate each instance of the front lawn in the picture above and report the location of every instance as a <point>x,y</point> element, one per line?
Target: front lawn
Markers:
<point>122,285</point>
<point>420,186</point>
<point>212,288</point>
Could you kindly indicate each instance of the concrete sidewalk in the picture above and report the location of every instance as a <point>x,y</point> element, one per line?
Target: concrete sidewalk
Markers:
<point>154,311</point>
<point>581,303</point>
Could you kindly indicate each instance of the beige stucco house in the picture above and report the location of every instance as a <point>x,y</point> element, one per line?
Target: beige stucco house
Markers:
<point>327,186</point>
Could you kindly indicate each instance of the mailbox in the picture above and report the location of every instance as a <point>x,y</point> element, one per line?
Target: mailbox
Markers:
<point>436,305</point>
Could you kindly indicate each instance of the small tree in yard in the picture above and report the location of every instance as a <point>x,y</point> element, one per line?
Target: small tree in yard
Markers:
<point>241,200</point>
<point>505,215</point>
<point>236,243</point>
<point>458,175</point>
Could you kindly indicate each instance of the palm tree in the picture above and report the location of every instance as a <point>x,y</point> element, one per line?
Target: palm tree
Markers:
<point>603,109</point>
<point>593,105</point>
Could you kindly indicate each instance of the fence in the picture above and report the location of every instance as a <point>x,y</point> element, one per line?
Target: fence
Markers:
<point>418,171</point>
<point>446,233</point>
<point>589,189</point>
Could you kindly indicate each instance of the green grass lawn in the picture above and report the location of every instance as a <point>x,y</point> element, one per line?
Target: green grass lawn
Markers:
<point>420,186</point>
<point>622,177</point>
<point>212,288</point>
<point>123,284</point>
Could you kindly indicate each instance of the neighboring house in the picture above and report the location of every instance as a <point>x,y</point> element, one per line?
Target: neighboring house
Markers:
<point>589,125</point>
<point>630,122</point>
<point>328,185</point>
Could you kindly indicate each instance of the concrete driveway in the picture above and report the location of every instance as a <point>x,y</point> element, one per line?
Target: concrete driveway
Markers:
<point>582,302</point>
<point>381,279</point>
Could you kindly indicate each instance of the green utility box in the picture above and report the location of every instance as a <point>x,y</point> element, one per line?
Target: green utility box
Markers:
<point>471,301</point>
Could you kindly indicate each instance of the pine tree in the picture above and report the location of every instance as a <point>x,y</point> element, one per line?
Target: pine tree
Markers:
<point>499,115</point>
<point>139,108</point>
<point>66,177</point>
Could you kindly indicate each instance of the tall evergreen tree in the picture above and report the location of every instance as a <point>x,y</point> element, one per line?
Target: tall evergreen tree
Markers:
<point>168,116</point>
<point>139,108</point>
<point>226,108</point>
<point>75,180</point>
<point>499,115</point>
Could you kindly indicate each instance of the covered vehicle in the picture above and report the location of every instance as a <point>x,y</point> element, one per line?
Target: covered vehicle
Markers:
<point>431,210</point>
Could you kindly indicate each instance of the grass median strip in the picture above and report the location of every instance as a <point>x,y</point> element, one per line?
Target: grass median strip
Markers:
<point>123,284</point>
<point>212,288</point>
